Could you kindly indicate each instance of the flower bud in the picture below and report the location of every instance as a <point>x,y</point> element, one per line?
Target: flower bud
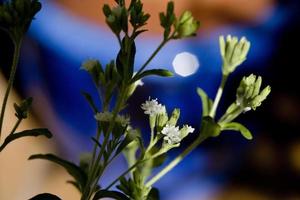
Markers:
<point>174,117</point>
<point>248,93</point>
<point>234,52</point>
<point>186,26</point>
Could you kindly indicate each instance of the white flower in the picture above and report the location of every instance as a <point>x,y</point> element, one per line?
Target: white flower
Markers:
<point>189,129</point>
<point>172,134</point>
<point>152,107</point>
<point>185,130</point>
<point>107,116</point>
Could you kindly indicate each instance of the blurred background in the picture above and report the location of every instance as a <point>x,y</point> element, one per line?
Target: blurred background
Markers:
<point>67,32</point>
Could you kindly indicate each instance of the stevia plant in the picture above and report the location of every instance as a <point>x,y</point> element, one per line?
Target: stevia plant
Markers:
<point>15,19</point>
<point>115,83</point>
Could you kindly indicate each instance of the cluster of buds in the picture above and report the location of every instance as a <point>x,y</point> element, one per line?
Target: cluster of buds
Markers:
<point>184,26</point>
<point>249,94</point>
<point>16,16</point>
<point>23,108</point>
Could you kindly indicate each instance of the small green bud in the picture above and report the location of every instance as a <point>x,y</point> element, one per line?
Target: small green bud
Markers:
<point>234,52</point>
<point>248,93</point>
<point>174,117</point>
<point>261,97</point>
<point>186,26</point>
<point>23,108</point>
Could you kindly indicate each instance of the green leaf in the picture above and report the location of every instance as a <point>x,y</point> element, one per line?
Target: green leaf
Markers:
<point>111,194</point>
<point>45,196</point>
<point>125,58</point>
<point>90,100</point>
<point>26,133</point>
<point>234,126</point>
<point>76,172</point>
<point>75,184</point>
<point>106,10</point>
<point>157,72</point>
<point>97,142</point>
<point>209,127</point>
<point>206,102</point>
<point>153,194</point>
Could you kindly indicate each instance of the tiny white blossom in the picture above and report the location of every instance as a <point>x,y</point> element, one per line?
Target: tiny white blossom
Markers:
<point>104,116</point>
<point>189,129</point>
<point>152,107</point>
<point>172,134</point>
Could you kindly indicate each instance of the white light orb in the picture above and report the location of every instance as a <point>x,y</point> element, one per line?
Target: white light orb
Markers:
<point>185,64</point>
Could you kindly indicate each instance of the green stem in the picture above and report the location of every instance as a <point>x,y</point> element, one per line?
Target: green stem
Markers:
<point>10,80</point>
<point>230,116</point>
<point>16,126</point>
<point>213,110</point>
<point>176,161</point>
<point>123,174</point>
<point>152,56</point>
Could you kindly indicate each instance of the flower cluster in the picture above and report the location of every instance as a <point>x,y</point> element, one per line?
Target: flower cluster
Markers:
<point>152,107</point>
<point>108,116</point>
<point>173,135</point>
<point>164,124</point>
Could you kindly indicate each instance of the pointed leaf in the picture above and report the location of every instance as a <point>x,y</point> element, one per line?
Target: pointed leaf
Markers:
<point>78,174</point>
<point>153,194</point>
<point>206,102</point>
<point>97,142</point>
<point>111,194</point>
<point>90,100</point>
<point>157,72</point>
<point>234,126</point>
<point>33,132</point>
<point>45,196</point>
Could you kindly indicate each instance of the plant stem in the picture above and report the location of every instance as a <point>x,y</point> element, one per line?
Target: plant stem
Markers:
<point>152,56</point>
<point>124,173</point>
<point>177,160</point>
<point>10,80</point>
<point>16,126</point>
<point>93,176</point>
<point>213,110</point>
